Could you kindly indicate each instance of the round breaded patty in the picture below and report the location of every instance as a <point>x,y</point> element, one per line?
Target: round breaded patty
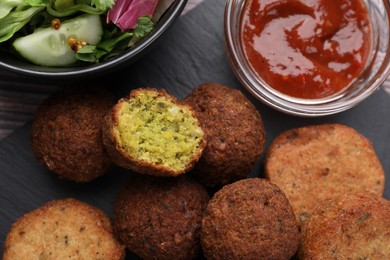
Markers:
<point>355,226</point>
<point>249,219</point>
<point>63,229</point>
<point>159,218</point>
<point>150,132</point>
<point>66,134</point>
<point>312,163</point>
<point>234,131</point>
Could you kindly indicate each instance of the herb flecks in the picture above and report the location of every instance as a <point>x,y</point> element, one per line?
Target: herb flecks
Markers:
<point>363,217</point>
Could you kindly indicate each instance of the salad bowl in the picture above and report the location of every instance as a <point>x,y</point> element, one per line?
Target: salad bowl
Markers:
<point>10,62</point>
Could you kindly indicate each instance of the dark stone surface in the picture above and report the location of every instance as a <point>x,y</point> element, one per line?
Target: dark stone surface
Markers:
<point>192,52</point>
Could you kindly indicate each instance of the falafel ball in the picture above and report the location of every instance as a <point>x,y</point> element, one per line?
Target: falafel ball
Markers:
<point>234,131</point>
<point>249,219</point>
<point>313,163</point>
<point>160,217</point>
<point>66,134</point>
<point>352,226</point>
<point>150,132</point>
<point>63,229</point>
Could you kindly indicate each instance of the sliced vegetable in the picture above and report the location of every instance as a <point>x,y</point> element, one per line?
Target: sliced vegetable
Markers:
<point>51,47</point>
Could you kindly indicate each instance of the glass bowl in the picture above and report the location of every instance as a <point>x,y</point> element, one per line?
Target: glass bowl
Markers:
<point>374,74</point>
<point>11,63</point>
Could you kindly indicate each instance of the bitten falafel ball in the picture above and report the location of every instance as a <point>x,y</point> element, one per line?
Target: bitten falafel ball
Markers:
<point>150,132</point>
<point>66,134</point>
<point>160,217</point>
<point>350,226</point>
<point>249,219</point>
<point>63,229</point>
<point>234,132</point>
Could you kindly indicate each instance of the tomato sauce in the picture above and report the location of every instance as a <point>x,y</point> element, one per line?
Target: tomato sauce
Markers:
<point>307,48</point>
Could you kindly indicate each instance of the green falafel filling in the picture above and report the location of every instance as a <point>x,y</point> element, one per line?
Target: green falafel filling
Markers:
<point>154,129</point>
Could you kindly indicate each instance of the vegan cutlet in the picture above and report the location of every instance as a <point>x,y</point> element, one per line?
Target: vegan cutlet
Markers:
<point>351,226</point>
<point>63,229</point>
<point>312,163</point>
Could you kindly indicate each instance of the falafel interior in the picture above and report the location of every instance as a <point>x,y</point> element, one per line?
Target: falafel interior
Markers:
<point>154,129</point>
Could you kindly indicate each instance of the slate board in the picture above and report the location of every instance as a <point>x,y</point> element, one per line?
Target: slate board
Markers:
<point>192,52</point>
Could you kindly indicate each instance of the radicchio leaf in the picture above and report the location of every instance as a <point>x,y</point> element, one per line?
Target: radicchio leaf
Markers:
<point>125,15</point>
<point>117,10</point>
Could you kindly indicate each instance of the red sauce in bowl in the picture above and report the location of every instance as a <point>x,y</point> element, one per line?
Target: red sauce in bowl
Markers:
<point>306,48</point>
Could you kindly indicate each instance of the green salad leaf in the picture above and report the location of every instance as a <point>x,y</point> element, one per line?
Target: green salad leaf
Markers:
<point>92,53</point>
<point>15,20</point>
<point>144,26</point>
<point>6,6</point>
<point>63,4</point>
<point>88,53</point>
<point>62,8</point>
<point>103,4</point>
<point>14,14</point>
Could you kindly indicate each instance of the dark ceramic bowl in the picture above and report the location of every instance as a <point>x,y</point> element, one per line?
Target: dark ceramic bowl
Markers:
<point>11,63</point>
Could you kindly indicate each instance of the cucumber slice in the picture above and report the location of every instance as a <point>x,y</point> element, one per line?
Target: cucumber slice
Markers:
<point>49,47</point>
